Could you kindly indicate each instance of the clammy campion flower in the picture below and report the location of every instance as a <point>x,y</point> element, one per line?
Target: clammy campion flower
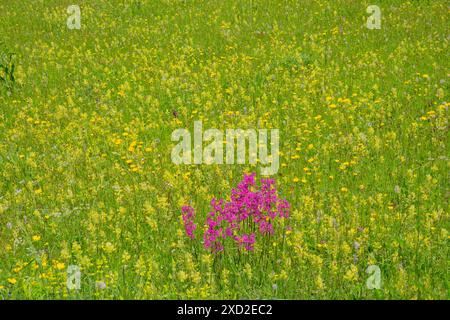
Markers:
<point>251,207</point>
<point>188,219</point>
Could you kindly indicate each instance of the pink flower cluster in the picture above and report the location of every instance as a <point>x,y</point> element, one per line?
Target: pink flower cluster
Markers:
<point>249,208</point>
<point>188,219</point>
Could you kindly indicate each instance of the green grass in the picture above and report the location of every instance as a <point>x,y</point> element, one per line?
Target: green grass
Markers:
<point>363,119</point>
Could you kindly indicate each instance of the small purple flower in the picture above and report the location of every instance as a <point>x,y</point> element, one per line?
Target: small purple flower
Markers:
<point>188,214</point>
<point>246,241</point>
<point>100,285</point>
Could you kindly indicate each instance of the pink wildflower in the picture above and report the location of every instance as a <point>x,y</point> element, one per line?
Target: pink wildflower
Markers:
<point>188,214</point>
<point>248,204</point>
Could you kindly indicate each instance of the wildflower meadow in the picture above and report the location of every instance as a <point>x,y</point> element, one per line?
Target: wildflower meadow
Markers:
<point>188,149</point>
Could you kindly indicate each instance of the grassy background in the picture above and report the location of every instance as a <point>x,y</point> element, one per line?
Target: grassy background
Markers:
<point>86,174</point>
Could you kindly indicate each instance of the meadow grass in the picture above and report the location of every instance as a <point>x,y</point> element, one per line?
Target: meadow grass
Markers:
<point>85,144</point>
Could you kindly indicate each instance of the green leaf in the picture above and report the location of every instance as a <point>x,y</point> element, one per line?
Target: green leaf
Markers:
<point>11,74</point>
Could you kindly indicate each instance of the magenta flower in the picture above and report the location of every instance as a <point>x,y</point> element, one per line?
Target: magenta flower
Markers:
<point>249,207</point>
<point>246,241</point>
<point>188,214</point>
